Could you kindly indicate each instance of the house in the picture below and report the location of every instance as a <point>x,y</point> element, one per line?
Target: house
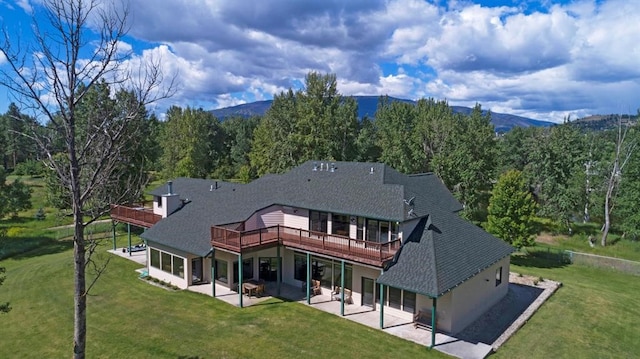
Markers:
<point>395,241</point>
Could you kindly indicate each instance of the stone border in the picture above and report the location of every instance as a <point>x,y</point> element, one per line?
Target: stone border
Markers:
<point>549,287</point>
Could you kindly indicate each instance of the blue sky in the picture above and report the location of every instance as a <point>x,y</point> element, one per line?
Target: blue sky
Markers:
<point>542,59</point>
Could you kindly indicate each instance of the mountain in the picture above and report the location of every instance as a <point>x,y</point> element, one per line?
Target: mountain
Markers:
<point>367,106</point>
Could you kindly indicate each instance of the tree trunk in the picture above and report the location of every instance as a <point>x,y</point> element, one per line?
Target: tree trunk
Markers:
<point>79,297</point>
<point>79,293</point>
<point>607,221</point>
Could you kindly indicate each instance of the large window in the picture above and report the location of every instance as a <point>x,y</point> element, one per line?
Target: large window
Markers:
<point>325,270</point>
<point>401,299</point>
<point>395,298</point>
<point>300,267</point>
<point>340,224</point>
<point>221,271</point>
<point>409,301</point>
<point>178,267</point>
<point>373,233</point>
<point>318,221</point>
<point>360,228</point>
<point>167,262</point>
<point>247,270</point>
<point>155,258</point>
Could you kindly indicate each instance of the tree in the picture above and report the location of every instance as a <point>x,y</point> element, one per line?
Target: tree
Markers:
<point>511,210</point>
<point>51,78</point>
<point>624,148</point>
<point>397,139</point>
<point>189,143</point>
<point>313,123</point>
<point>14,197</point>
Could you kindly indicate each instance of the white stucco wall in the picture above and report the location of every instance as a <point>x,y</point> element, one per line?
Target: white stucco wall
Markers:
<point>475,296</point>
<point>180,282</point>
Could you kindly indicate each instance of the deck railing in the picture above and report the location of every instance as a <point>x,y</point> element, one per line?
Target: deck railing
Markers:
<point>325,243</point>
<point>143,217</point>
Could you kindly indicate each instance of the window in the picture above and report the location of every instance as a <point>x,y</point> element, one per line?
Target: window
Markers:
<point>360,228</point>
<point>340,224</point>
<point>498,276</point>
<point>394,231</point>
<point>348,274</point>
<point>155,258</point>
<point>158,201</point>
<point>395,298</point>
<point>300,267</point>
<point>178,267</point>
<point>409,301</point>
<point>384,232</point>
<point>267,268</point>
<point>318,221</point>
<point>221,271</point>
<point>372,230</point>
<point>166,262</point>
<point>247,270</point>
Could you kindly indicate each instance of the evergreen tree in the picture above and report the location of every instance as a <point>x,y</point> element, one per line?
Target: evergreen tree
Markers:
<point>511,210</point>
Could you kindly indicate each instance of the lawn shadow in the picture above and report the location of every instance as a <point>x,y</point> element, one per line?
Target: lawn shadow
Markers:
<point>541,258</point>
<point>29,247</point>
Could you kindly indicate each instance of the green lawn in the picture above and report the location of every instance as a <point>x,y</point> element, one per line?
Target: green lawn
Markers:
<point>593,315</point>
<point>130,318</point>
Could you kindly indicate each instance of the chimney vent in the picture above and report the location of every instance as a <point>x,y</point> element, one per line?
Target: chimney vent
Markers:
<point>371,171</point>
<point>170,187</point>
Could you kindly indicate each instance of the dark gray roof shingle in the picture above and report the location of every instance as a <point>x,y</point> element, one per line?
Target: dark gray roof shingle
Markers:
<point>442,252</point>
<point>370,190</point>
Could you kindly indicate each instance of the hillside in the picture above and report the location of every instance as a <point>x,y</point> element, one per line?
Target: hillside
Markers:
<point>367,106</point>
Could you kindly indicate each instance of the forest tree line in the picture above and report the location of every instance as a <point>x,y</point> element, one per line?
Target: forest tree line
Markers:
<point>570,172</point>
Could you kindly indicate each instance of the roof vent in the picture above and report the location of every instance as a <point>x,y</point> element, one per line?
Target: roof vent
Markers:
<point>333,167</point>
<point>315,166</point>
<point>371,171</point>
<point>170,187</point>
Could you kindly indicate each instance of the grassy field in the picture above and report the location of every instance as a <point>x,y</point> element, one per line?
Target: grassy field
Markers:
<point>130,318</point>
<point>594,314</point>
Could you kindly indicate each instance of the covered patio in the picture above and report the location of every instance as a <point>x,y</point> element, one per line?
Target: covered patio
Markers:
<point>363,315</point>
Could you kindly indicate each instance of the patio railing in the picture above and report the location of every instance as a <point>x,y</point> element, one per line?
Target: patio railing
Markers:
<point>329,244</point>
<point>138,216</point>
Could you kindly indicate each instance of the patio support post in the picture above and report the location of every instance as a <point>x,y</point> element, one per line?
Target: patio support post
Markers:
<point>240,267</point>
<point>342,286</point>
<point>213,272</point>
<point>113,228</point>
<point>129,236</point>
<point>308,278</point>
<point>433,322</point>
<point>381,306</point>
<point>278,274</point>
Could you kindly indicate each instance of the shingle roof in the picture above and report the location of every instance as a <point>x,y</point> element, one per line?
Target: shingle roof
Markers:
<point>370,190</point>
<point>442,252</point>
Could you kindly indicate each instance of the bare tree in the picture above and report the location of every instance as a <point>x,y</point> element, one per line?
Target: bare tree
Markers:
<point>623,152</point>
<point>78,49</point>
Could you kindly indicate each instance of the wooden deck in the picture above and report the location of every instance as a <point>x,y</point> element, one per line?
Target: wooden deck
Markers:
<point>366,252</point>
<point>141,217</point>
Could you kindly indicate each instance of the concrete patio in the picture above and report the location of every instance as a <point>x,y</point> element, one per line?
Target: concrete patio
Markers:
<point>462,346</point>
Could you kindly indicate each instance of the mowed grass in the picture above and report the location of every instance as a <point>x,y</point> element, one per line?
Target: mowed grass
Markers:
<point>130,318</point>
<point>593,315</point>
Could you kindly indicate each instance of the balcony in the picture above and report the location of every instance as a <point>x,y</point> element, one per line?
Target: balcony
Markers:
<point>138,216</point>
<point>342,247</point>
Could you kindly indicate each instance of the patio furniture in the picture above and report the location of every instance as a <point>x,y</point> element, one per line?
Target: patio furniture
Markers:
<point>316,289</point>
<point>336,295</point>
